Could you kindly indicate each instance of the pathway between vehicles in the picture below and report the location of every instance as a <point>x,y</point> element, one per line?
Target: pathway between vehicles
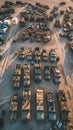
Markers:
<point>64,58</point>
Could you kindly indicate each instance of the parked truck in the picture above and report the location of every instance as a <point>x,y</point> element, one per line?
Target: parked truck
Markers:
<point>37,72</point>
<point>57,75</point>
<point>40,104</point>
<point>22,53</point>
<point>26,104</point>
<point>51,106</point>
<point>37,54</point>
<point>26,75</point>
<point>17,76</point>
<point>14,107</point>
<point>64,111</point>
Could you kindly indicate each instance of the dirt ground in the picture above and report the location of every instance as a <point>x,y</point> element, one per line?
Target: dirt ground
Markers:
<point>10,60</point>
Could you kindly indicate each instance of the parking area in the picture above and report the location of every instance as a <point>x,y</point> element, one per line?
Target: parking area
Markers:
<point>16,40</point>
<point>7,84</point>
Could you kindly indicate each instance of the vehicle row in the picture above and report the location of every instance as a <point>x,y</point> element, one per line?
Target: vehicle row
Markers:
<point>6,10</point>
<point>36,32</point>
<point>67,24</point>
<point>37,55</point>
<point>50,73</point>
<point>22,75</point>
<point>35,13</point>
<point>22,102</point>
